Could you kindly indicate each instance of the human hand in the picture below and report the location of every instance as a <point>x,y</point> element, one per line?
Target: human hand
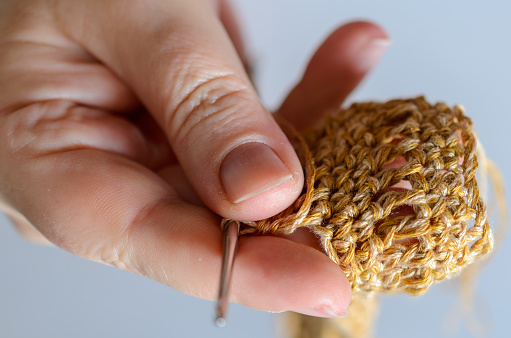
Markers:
<point>122,126</point>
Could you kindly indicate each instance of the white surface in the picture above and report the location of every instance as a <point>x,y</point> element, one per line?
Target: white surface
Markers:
<point>457,51</point>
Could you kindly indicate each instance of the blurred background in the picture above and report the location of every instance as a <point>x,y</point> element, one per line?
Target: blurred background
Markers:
<point>456,51</point>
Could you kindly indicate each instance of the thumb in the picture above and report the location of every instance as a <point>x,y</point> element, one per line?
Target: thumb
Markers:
<point>178,59</point>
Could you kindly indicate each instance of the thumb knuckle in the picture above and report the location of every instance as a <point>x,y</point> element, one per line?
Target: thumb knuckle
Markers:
<point>207,104</point>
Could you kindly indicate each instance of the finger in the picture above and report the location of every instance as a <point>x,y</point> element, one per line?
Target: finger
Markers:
<point>226,14</point>
<point>231,24</point>
<point>178,59</point>
<point>336,68</point>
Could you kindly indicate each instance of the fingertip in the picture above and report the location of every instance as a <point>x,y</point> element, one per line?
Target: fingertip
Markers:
<point>275,274</point>
<point>372,42</point>
<point>369,28</point>
<point>335,69</point>
<point>360,44</point>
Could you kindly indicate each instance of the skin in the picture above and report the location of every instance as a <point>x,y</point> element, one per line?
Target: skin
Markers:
<point>106,151</point>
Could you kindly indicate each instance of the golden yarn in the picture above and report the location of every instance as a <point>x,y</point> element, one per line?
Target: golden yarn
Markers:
<point>384,236</point>
<point>391,194</point>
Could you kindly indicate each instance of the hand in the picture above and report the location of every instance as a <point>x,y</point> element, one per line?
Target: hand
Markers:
<point>126,127</point>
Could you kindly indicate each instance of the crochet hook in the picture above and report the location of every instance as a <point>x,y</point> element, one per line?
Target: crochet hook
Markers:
<point>231,231</point>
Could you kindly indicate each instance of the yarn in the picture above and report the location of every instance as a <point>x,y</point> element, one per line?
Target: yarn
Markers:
<point>385,236</point>
<point>391,194</point>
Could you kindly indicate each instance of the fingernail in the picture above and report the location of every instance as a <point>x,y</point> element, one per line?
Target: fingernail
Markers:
<point>250,169</point>
<point>323,312</point>
<point>372,52</point>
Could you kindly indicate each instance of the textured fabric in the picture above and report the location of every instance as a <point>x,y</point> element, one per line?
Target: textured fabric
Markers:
<point>391,193</point>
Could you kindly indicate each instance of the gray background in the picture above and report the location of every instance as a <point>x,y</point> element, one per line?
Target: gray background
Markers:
<point>456,51</point>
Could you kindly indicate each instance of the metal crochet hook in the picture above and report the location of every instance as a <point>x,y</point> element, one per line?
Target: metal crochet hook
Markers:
<point>230,246</point>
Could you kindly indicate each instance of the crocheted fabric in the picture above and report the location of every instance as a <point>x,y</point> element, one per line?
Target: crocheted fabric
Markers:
<point>391,193</point>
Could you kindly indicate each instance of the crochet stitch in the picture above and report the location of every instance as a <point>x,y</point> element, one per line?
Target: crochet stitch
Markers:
<point>391,193</point>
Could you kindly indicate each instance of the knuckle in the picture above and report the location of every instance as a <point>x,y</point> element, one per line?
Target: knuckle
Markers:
<point>209,101</point>
<point>21,128</point>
